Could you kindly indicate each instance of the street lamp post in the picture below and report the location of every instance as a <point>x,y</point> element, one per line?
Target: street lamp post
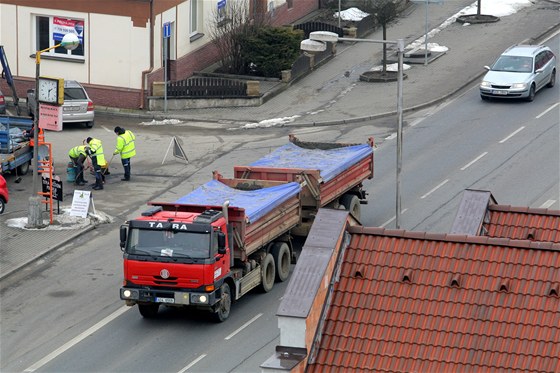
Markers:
<point>70,42</point>
<point>317,43</point>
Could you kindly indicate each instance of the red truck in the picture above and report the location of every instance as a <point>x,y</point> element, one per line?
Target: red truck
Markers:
<point>229,236</point>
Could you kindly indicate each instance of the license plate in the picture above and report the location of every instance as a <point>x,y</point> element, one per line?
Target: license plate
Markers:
<point>500,92</point>
<point>165,300</point>
<point>72,108</point>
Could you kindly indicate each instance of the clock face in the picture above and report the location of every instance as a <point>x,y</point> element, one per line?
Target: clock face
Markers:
<point>48,91</point>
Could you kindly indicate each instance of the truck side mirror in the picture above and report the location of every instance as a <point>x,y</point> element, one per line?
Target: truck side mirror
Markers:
<point>123,233</point>
<point>221,243</point>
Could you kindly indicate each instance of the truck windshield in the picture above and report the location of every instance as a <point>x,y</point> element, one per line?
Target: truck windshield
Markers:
<point>169,243</point>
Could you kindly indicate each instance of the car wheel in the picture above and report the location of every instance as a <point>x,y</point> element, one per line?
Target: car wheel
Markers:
<point>552,79</point>
<point>89,124</point>
<point>2,205</point>
<point>531,96</point>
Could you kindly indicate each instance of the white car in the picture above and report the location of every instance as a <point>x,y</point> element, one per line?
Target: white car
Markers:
<point>520,72</point>
<point>77,107</point>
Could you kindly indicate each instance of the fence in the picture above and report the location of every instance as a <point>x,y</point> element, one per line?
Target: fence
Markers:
<point>309,27</point>
<point>207,87</point>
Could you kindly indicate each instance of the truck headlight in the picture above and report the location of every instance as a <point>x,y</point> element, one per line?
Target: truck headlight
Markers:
<point>129,294</point>
<point>199,298</point>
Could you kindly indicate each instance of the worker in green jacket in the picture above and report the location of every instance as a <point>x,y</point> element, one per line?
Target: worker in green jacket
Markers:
<point>95,152</point>
<point>126,148</point>
<point>78,155</point>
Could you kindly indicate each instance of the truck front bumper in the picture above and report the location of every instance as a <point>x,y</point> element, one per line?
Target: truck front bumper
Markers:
<point>168,297</point>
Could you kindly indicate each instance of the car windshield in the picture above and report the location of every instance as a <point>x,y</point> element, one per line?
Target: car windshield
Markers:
<point>74,94</point>
<point>515,64</point>
<point>193,245</point>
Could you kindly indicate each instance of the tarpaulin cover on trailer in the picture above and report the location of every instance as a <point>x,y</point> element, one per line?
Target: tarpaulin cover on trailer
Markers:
<point>256,203</point>
<point>329,162</point>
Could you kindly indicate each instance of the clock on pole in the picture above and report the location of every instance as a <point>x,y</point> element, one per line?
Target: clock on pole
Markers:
<point>51,90</point>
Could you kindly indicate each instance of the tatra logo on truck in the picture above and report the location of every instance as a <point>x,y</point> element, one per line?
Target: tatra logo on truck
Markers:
<point>164,273</point>
<point>170,226</point>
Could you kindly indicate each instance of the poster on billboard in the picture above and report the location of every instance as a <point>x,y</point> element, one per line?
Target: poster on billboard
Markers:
<point>63,26</point>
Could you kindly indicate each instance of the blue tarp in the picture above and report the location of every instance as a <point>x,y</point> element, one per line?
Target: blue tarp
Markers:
<point>329,162</point>
<point>256,203</point>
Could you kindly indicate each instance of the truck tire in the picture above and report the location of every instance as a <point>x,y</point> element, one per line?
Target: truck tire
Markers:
<point>23,169</point>
<point>149,311</point>
<point>222,313</point>
<point>351,203</point>
<point>281,254</point>
<point>268,273</point>
<point>2,205</point>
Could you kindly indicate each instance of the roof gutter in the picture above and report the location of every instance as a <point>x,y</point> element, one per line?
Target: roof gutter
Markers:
<point>146,72</point>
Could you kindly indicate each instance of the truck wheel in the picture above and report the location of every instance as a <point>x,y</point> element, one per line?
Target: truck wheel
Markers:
<point>148,311</point>
<point>351,203</point>
<point>222,313</point>
<point>281,254</point>
<point>23,169</point>
<point>268,273</point>
<point>2,205</point>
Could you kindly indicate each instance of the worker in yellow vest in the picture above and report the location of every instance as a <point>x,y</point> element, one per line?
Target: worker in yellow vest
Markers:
<point>95,152</point>
<point>78,155</point>
<point>126,148</point>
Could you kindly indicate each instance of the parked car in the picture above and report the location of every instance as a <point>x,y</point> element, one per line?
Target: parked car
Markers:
<point>77,107</point>
<point>520,72</point>
<point>4,195</point>
<point>2,103</point>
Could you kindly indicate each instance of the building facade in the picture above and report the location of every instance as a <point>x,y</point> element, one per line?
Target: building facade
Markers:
<point>122,41</point>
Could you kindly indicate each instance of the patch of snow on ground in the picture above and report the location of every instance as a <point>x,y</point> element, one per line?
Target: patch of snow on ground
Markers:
<point>63,221</point>
<point>161,122</point>
<point>391,67</point>
<point>271,122</point>
<point>351,14</point>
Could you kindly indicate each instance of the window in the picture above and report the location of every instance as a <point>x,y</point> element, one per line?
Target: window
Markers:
<point>51,30</point>
<point>194,17</point>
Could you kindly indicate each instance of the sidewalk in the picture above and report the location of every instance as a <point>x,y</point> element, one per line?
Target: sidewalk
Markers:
<point>333,94</point>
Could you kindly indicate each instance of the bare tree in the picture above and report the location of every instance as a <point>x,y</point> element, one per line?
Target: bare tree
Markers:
<point>384,12</point>
<point>228,25</point>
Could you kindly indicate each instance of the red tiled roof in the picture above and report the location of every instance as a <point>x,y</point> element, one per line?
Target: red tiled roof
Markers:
<point>409,301</point>
<point>524,223</point>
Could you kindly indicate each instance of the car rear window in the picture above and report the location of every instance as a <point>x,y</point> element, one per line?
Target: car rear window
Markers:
<point>74,94</point>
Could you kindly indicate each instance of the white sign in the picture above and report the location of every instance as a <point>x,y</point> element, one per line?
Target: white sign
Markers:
<point>80,203</point>
<point>50,117</point>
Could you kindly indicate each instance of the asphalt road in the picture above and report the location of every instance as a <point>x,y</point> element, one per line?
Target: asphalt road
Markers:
<point>70,301</point>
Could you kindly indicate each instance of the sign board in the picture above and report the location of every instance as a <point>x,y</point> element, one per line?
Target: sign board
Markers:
<point>167,30</point>
<point>56,187</point>
<point>50,117</point>
<point>80,203</point>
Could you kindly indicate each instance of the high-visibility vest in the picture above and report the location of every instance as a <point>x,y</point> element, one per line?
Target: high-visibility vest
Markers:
<point>125,144</point>
<point>96,148</point>
<point>76,151</point>
<point>40,137</point>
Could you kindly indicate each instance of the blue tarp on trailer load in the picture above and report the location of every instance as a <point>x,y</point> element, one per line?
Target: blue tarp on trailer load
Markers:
<point>256,203</point>
<point>329,162</point>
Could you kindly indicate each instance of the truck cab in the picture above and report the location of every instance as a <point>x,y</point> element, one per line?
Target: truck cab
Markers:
<point>175,258</point>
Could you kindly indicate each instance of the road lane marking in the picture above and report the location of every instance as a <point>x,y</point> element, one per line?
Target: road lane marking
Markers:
<point>512,134</point>
<point>390,220</point>
<point>192,363</point>
<point>546,111</point>
<point>77,339</point>
<point>436,188</point>
<point>548,203</point>
<point>473,161</point>
<point>242,327</point>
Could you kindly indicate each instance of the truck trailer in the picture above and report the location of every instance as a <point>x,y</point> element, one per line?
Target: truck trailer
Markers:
<point>15,151</point>
<point>230,236</point>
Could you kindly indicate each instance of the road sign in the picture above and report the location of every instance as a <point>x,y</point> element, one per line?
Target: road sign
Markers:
<point>167,30</point>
